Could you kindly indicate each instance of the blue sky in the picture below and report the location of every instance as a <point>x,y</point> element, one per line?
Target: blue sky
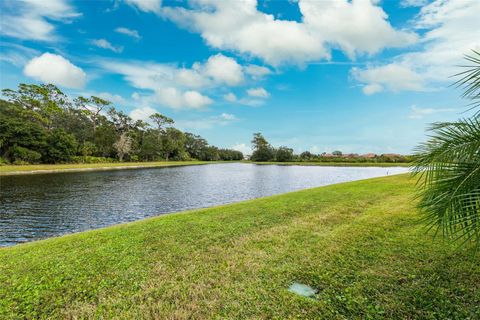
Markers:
<point>358,76</point>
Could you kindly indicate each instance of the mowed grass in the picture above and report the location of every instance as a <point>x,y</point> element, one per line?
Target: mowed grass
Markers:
<point>360,244</point>
<point>12,169</point>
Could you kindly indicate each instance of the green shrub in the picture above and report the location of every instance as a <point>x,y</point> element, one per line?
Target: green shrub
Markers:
<point>21,154</point>
<point>4,161</point>
<point>90,159</point>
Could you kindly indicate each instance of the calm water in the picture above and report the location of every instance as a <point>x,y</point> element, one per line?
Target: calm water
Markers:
<point>40,206</point>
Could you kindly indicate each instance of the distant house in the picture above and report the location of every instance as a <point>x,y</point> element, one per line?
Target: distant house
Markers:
<point>391,155</point>
<point>327,155</point>
<point>369,155</point>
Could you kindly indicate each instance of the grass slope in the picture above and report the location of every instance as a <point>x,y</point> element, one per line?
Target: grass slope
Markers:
<point>359,243</point>
<point>52,168</point>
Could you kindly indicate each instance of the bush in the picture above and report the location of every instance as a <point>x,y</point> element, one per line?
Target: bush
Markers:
<point>284,154</point>
<point>61,146</point>
<point>90,159</point>
<point>24,155</point>
<point>4,161</point>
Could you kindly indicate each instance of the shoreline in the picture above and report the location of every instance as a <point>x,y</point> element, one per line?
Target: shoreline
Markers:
<point>14,170</point>
<point>347,240</point>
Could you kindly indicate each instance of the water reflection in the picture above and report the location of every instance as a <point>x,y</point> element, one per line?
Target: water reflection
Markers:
<point>40,206</point>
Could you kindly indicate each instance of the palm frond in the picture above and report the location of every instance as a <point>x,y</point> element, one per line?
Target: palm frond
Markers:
<point>469,80</point>
<point>449,168</point>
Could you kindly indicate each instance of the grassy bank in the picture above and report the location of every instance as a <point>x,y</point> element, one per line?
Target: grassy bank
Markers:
<point>50,168</point>
<point>338,164</point>
<point>359,243</point>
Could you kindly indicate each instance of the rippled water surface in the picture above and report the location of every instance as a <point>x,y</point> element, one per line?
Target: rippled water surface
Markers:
<point>40,206</point>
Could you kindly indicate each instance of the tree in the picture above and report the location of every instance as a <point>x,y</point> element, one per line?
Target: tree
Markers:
<point>174,145</point>
<point>284,154</point>
<point>61,146</point>
<point>306,155</point>
<point>448,166</point>
<point>92,107</point>
<point>262,150</point>
<point>195,145</point>
<point>45,102</point>
<point>337,153</point>
<point>161,121</point>
<point>123,146</point>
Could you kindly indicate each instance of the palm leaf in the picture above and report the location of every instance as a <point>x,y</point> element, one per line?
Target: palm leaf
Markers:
<point>448,166</point>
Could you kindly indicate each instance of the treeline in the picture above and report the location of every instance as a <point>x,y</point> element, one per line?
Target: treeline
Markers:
<point>263,151</point>
<point>40,124</point>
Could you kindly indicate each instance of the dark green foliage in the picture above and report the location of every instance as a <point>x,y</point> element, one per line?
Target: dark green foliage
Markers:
<point>262,150</point>
<point>38,123</point>
<point>21,155</point>
<point>284,154</point>
<point>449,169</point>
<point>61,146</point>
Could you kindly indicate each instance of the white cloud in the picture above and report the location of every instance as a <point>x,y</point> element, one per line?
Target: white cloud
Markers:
<point>243,148</point>
<point>146,5</point>
<point>179,87</point>
<point>148,75</point>
<point>418,113</point>
<point>177,99</point>
<point>231,97</point>
<point>257,72</point>
<point>224,69</point>
<point>392,77</point>
<point>207,123</point>
<point>240,27</point>
<point>15,54</point>
<point>33,20</point>
<point>228,116</point>
<point>52,68</point>
<point>258,92</point>
<point>142,113</point>
<point>105,44</point>
<point>114,98</point>
<point>129,32</point>
<point>413,3</point>
<point>451,29</point>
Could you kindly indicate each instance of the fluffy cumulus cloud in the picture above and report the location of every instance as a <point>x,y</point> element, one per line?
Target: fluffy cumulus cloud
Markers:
<point>357,27</point>
<point>224,69</point>
<point>178,99</point>
<point>179,87</point>
<point>230,97</point>
<point>390,77</point>
<point>257,72</point>
<point>142,113</point>
<point>451,29</point>
<point>153,6</point>
<point>129,32</point>
<point>258,92</point>
<point>53,68</point>
<point>105,44</point>
<point>33,19</point>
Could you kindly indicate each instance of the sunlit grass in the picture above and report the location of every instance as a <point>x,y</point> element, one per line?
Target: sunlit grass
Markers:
<point>359,243</point>
<point>97,166</point>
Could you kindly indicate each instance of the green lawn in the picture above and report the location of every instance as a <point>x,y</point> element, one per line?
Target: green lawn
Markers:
<point>359,243</point>
<point>14,169</point>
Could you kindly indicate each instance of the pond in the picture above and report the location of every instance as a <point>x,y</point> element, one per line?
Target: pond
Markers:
<point>45,205</point>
